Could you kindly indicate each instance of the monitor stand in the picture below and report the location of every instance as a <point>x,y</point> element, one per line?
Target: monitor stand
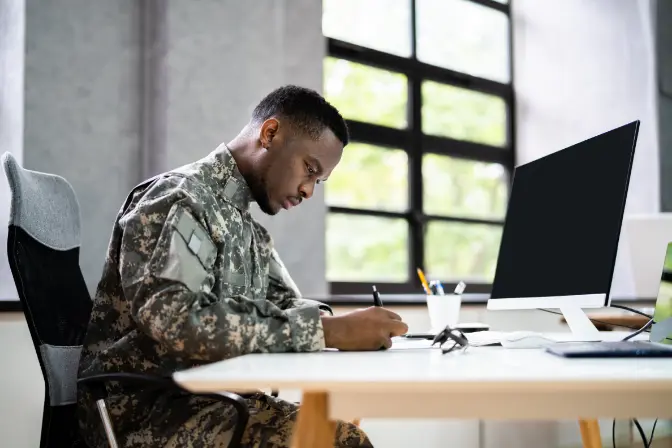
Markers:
<point>582,328</point>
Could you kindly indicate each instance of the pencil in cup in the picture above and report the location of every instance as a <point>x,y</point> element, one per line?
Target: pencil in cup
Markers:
<point>423,280</point>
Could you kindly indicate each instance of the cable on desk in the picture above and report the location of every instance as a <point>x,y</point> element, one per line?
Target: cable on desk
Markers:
<point>632,310</point>
<point>639,429</point>
<point>593,320</point>
<point>640,331</point>
<point>641,433</point>
<point>653,430</point>
<point>646,328</point>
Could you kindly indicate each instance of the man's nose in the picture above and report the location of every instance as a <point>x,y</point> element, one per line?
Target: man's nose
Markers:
<point>306,190</point>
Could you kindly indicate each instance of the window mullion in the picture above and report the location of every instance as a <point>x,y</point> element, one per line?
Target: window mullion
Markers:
<point>417,228</point>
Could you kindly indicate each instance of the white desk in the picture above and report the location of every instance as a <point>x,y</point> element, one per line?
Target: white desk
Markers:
<point>481,383</point>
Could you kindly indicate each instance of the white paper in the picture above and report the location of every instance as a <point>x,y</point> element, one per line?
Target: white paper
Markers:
<point>411,344</point>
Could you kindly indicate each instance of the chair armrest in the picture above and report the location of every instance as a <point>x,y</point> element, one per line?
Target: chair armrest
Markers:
<point>155,381</point>
<point>161,382</point>
<point>138,379</point>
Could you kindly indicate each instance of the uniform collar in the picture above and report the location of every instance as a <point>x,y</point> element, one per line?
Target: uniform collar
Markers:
<point>235,189</point>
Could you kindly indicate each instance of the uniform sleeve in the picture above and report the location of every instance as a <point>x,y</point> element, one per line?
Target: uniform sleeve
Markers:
<point>283,291</point>
<point>166,262</point>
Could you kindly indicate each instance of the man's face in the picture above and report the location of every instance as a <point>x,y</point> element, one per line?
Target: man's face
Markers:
<point>291,165</point>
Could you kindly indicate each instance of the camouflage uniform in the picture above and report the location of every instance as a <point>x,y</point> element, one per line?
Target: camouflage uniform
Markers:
<point>191,278</point>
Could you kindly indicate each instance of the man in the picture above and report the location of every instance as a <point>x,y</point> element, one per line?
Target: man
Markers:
<point>191,278</point>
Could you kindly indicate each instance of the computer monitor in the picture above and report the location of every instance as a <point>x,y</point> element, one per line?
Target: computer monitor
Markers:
<point>661,329</point>
<point>562,227</point>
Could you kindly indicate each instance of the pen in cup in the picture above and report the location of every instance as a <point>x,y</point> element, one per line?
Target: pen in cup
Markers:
<point>376,297</point>
<point>436,288</point>
<point>459,288</point>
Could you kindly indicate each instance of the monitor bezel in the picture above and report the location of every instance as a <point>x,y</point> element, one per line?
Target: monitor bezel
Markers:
<point>593,300</point>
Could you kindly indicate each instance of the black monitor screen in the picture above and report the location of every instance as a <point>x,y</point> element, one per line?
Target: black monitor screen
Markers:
<point>564,219</point>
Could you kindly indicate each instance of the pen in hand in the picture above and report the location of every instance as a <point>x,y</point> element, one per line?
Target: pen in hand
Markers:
<point>376,297</point>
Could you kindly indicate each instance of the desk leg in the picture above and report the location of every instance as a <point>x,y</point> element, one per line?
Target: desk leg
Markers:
<point>590,433</point>
<point>313,427</point>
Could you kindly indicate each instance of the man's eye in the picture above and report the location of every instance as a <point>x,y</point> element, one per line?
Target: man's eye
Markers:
<point>311,171</point>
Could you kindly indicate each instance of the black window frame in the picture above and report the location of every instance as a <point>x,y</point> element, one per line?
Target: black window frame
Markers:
<point>415,143</point>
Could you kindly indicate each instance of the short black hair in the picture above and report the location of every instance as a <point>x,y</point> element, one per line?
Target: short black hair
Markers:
<point>305,108</point>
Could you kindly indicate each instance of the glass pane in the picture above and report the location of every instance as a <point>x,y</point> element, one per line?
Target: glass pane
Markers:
<point>463,114</point>
<point>459,251</point>
<point>463,188</point>
<point>464,36</point>
<point>369,177</point>
<point>366,93</point>
<point>366,248</point>
<point>383,25</point>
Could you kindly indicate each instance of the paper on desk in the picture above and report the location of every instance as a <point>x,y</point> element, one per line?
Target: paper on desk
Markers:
<point>411,344</point>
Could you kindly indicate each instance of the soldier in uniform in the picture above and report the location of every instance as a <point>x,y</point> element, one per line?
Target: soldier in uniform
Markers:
<point>191,278</point>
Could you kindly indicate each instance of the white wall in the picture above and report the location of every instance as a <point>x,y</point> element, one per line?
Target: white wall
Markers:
<point>21,385</point>
<point>583,67</point>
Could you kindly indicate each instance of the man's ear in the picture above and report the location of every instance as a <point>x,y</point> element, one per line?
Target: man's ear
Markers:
<point>268,131</point>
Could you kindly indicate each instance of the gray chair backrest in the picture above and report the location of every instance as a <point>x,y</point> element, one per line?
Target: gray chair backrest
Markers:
<point>44,205</point>
<point>43,252</point>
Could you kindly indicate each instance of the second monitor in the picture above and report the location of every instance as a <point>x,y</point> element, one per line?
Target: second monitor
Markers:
<point>562,227</point>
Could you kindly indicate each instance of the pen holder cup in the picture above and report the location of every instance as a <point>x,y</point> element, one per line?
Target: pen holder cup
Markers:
<point>443,311</point>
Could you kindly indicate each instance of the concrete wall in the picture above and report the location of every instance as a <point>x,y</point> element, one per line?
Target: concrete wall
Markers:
<point>223,57</point>
<point>115,91</point>
<point>664,97</point>
<point>82,107</point>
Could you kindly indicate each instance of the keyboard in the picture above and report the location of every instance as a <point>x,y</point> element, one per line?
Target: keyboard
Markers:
<point>617,349</point>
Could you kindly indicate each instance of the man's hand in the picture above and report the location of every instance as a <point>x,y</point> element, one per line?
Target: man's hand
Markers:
<point>367,329</point>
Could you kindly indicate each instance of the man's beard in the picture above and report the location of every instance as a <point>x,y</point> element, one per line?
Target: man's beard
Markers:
<point>260,195</point>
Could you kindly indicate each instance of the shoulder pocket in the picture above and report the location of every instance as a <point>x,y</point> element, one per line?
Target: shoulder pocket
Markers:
<point>190,252</point>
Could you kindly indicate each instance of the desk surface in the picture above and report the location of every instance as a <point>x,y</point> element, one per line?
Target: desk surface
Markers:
<point>490,368</point>
<point>485,377</point>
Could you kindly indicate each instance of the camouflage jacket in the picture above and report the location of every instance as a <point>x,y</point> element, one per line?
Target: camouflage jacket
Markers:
<point>191,278</point>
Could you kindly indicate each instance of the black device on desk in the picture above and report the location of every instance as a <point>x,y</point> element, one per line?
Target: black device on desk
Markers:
<point>617,349</point>
<point>464,328</point>
<point>659,343</point>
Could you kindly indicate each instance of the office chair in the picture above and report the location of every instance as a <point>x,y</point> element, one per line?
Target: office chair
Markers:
<point>43,251</point>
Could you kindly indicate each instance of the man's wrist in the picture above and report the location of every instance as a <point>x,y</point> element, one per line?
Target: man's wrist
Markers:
<point>326,329</point>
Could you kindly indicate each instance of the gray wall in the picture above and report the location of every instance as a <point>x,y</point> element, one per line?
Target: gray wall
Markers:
<point>664,97</point>
<point>82,107</point>
<point>223,57</point>
<point>115,91</point>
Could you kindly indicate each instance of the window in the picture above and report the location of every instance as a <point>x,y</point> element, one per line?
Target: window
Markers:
<point>426,88</point>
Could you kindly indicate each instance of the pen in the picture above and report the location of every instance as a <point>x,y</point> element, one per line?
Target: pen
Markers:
<point>436,287</point>
<point>425,286</point>
<point>459,289</point>
<point>376,297</point>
